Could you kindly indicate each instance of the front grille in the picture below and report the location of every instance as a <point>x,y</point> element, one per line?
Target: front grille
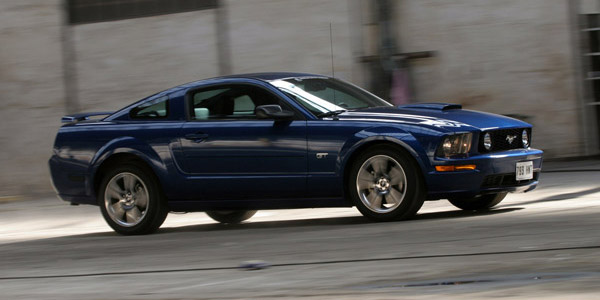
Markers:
<point>501,140</point>
<point>506,180</point>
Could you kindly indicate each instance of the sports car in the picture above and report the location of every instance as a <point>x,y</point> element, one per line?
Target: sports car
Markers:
<point>232,145</point>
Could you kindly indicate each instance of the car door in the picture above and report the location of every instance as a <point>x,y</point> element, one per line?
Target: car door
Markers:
<point>228,153</point>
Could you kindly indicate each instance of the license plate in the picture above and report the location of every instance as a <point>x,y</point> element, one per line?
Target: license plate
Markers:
<point>524,170</point>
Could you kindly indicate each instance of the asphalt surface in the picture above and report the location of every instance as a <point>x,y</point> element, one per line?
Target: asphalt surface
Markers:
<point>540,245</point>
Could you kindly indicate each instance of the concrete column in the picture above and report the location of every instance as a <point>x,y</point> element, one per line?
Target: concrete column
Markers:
<point>69,62</point>
<point>223,43</point>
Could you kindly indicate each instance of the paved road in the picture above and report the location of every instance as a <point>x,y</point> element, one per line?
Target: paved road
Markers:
<point>544,244</point>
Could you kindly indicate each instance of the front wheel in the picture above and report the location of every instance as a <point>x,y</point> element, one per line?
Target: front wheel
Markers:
<point>231,217</point>
<point>385,184</point>
<point>481,202</point>
<point>131,201</point>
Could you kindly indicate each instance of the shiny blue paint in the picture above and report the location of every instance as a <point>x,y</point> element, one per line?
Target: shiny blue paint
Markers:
<point>243,159</point>
<point>259,164</point>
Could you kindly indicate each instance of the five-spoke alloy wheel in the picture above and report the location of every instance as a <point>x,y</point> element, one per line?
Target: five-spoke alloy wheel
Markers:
<point>130,200</point>
<point>381,183</point>
<point>385,185</point>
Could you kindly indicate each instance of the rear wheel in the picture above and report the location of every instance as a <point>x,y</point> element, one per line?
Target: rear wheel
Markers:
<point>131,201</point>
<point>385,184</point>
<point>481,202</point>
<point>231,216</point>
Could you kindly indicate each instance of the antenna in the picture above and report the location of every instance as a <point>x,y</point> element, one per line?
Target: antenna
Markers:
<point>332,69</point>
<point>331,44</point>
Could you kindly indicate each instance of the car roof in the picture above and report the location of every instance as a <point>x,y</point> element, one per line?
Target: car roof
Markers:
<point>266,76</point>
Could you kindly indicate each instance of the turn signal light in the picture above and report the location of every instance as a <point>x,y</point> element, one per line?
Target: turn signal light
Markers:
<point>454,168</point>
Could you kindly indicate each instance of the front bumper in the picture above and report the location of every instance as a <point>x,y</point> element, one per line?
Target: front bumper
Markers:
<point>495,173</point>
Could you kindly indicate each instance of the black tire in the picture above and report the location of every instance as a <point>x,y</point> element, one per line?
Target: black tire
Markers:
<point>231,217</point>
<point>399,198</point>
<point>482,202</point>
<point>143,185</point>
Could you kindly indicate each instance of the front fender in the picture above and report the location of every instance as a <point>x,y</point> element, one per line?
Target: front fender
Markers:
<point>391,135</point>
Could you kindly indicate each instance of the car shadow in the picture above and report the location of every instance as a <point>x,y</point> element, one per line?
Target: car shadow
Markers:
<point>345,221</point>
<point>464,213</point>
<point>318,222</point>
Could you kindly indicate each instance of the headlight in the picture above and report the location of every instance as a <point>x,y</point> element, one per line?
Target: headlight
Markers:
<point>525,138</point>
<point>455,144</point>
<point>487,142</point>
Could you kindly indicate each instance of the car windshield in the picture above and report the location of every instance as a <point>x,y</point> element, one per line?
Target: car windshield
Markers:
<point>327,96</point>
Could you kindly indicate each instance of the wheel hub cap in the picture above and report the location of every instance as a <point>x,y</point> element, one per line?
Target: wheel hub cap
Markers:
<point>382,185</point>
<point>128,201</point>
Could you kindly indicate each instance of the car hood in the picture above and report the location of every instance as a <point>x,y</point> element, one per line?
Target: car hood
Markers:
<point>451,119</point>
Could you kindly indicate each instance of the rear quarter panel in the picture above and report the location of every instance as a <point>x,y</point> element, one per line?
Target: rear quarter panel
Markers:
<point>81,148</point>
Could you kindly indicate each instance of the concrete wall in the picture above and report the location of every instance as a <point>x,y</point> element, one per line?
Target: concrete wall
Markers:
<point>31,93</point>
<point>120,62</point>
<point>290,36</point>
<point>589,6</point>
<point>506,57</point>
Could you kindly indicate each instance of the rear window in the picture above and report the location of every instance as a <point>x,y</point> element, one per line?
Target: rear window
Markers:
<point>155,109</point>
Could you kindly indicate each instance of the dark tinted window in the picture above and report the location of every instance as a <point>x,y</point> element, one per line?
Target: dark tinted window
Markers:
<point>231,102</point>
<point>155,109</point>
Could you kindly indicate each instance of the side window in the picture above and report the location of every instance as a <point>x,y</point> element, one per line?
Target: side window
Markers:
<point>155,109</point>
<point>205,101</point>
<point>243,105</point>
<point>230,102</point>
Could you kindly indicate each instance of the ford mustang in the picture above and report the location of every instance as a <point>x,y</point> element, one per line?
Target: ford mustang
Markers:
<point>232,145</point>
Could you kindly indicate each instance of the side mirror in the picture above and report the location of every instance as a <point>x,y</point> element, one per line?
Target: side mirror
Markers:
<point>272,111</point>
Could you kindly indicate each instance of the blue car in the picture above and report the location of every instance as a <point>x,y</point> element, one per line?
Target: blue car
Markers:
<point>232,145</point>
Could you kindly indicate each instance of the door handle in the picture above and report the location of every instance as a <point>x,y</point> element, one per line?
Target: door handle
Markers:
<point>197,137</point>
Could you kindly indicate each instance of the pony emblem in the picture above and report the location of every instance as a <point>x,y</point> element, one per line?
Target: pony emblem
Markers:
<point>510,138</point>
